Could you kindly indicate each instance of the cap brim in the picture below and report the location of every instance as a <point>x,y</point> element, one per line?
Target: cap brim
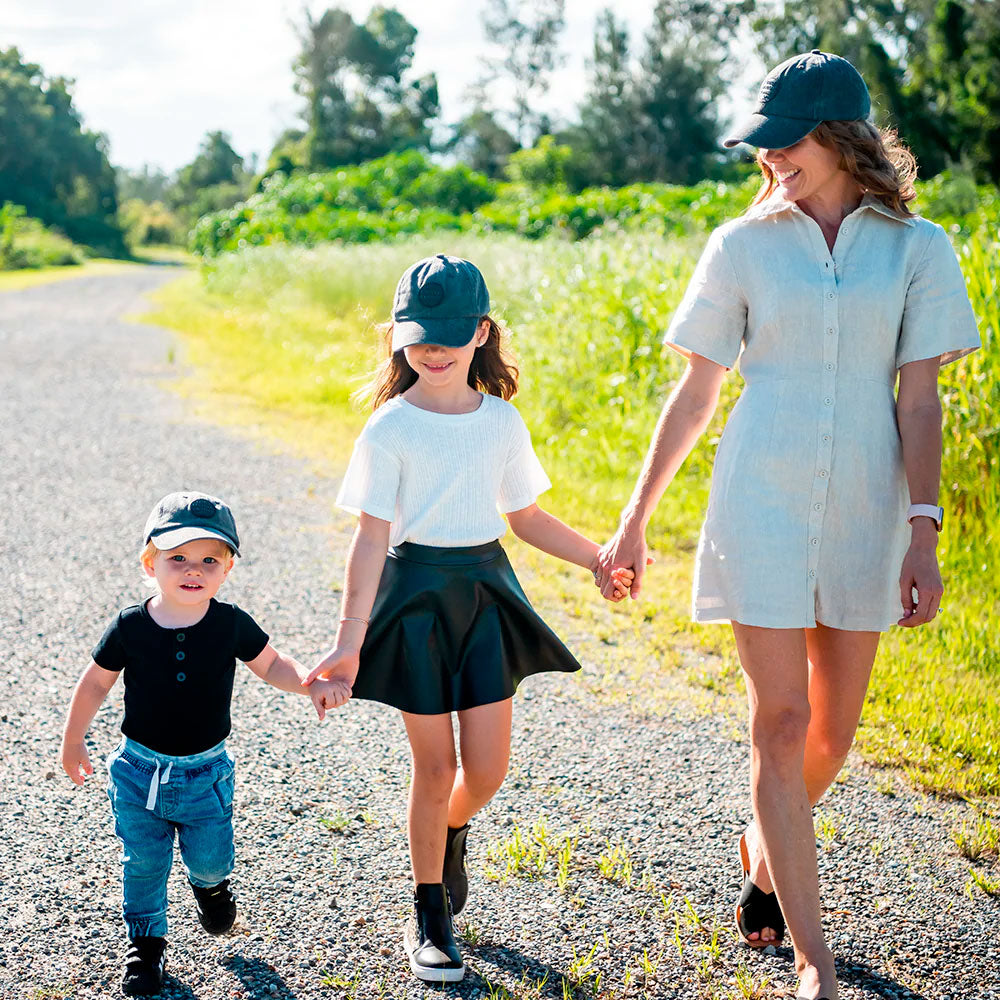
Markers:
<point>770,132</point>
<point>181,536</point>
<point>456,332</point>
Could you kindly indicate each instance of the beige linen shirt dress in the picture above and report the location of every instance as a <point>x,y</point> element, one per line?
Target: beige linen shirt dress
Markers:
<point>806,518</point>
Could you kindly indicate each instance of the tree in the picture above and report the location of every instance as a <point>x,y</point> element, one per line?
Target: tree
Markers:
<point>482,142</point>
<point>526,31</point>
<point>215,179</point>
<point>49,163</point>
<point>360,102</point>
<point>677,92</point>
<point>605,138</point>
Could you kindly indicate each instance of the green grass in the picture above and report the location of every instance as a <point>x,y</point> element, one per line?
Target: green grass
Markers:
<point>280,336</point>
<point>11,281</point>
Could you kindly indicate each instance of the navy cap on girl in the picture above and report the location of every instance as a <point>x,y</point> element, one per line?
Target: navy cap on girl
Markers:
<point>183,517</point>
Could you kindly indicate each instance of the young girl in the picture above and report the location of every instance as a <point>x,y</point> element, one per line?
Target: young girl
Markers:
<point>441,625</point>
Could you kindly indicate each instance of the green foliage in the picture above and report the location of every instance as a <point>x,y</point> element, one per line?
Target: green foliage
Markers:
<point>359,101</point>
<point>405,194</point>
<point>542,166</point>
<point>150,223</point>
<point>49,163</point>
<point>26,243</point>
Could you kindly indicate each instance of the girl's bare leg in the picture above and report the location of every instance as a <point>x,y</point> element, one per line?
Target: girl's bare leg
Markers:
<point>434,767</point>
<point>776,665</point>
<point>484,736</point>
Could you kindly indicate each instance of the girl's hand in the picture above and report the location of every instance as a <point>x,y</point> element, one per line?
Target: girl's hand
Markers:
<point>329,694</point>
<point>920,572</point>
<point>339,665</point>
<point>621,581</point>
<point>76,762</point>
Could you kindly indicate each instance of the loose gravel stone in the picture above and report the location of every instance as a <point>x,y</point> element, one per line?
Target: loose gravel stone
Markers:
<point>607,864</point>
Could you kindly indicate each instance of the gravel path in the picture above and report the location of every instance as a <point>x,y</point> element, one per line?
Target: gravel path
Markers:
<point>90,438</point>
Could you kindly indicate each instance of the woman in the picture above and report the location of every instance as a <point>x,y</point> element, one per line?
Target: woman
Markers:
<point>827,290</point>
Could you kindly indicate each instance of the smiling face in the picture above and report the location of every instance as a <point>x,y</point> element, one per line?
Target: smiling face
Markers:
<point>190,574</point>
<point>805,170</point>
<point>440,367</point>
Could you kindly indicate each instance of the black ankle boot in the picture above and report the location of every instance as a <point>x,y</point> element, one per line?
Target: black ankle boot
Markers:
<point>144,964</point>
<point>429,939</point>
<point>216,906</point>
<point>455,879</point>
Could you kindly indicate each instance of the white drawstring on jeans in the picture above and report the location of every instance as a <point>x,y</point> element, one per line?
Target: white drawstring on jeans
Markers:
<point>154,785</point>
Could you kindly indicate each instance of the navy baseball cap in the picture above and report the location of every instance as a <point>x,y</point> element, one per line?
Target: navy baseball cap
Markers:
<point>439,300</point>
<point>184,517</point>
<point>799,94</point>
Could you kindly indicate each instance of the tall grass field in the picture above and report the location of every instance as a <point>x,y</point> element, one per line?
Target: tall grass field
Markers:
<point>283,334</point>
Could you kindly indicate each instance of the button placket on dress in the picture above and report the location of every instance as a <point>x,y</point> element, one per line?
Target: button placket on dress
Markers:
<point>830,340</point>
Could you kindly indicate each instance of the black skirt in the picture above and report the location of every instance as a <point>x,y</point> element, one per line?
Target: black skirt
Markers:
<point>451,629</point>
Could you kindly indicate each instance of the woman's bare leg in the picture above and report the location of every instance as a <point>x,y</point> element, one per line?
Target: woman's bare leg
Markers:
<point>840,666</point>
<point>775,662</point>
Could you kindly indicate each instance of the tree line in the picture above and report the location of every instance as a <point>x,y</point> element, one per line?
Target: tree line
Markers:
<point>650,110</point>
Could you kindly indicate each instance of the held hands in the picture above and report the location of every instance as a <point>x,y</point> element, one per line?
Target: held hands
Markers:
<point>76,762</point>
<point>327,694</point>
<point>334,676</point>
<point>920,573</point>
<point>621,564</point>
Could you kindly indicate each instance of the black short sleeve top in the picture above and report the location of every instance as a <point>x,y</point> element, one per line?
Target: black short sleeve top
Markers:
<point>179,681</point>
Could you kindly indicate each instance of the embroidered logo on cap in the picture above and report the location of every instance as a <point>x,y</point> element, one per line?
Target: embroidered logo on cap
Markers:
<point>202,507</point>
<point>431,294</point>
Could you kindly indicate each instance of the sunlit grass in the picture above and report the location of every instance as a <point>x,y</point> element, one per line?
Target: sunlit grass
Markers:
<point>29,277</point>
<point>279,337</point>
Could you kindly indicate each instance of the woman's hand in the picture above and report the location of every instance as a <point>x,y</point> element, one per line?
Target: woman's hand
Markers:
<point>626,550</point>
<point>920,573</point>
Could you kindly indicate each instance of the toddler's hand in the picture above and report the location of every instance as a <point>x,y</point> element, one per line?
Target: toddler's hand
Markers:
<point>76,762</point>
<point>329,694</point>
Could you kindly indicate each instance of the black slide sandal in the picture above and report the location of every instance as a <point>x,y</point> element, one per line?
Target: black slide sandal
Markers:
<point>756,909</point>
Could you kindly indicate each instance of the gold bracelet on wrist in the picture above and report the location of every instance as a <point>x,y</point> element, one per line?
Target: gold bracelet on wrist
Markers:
<point>351,618</point>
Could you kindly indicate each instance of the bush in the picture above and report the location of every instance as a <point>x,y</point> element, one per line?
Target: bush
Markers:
<point>26,243</point>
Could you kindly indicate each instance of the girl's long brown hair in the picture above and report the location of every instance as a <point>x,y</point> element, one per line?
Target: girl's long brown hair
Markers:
<point>875,158</point>
<point>492,370</point>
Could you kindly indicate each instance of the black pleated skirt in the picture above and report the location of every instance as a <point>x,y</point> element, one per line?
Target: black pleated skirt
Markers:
<point>452,629</point>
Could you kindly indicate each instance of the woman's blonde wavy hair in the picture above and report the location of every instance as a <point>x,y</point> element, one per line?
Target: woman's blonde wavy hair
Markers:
<point>874,157</point>
<point>492,370</point>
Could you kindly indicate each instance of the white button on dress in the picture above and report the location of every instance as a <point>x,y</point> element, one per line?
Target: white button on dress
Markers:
<point>806,519</point>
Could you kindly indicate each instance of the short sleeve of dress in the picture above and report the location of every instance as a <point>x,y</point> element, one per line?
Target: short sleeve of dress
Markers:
<point>712,317</point>
<point>109,652</point>
<point>250,637</point>
<point>523,476</point>
<point>937,316</point>
<point>371,482</point>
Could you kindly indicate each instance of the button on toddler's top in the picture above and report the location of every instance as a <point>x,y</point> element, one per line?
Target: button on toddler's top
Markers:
<point>806,518</point>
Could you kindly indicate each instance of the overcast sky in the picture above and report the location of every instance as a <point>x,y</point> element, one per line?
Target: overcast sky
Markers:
<point>155,76</point>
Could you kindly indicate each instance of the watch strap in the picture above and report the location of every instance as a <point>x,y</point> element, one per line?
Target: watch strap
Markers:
<point>936,514</point>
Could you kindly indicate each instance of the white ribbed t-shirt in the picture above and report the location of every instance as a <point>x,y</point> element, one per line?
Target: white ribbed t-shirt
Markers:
<point>443,478</point>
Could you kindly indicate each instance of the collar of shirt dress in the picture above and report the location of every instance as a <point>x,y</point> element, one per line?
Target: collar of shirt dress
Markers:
<point>774,205</point>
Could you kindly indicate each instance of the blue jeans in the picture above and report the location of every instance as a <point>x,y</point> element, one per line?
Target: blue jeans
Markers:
<point>152,796</point>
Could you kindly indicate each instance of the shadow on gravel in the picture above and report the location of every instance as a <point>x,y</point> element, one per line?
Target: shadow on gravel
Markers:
<point>543,980</point>
<point>259,979</point>
<point>175,989</point>
<point>863,977</point>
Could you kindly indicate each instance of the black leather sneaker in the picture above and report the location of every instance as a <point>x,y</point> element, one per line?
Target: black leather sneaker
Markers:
<point>216,907</point>
<point>455,879</point>
<point>429,939</point>
<point>144,965</point>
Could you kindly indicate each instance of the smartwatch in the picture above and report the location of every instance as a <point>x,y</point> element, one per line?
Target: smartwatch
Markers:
<point>925,510</point>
